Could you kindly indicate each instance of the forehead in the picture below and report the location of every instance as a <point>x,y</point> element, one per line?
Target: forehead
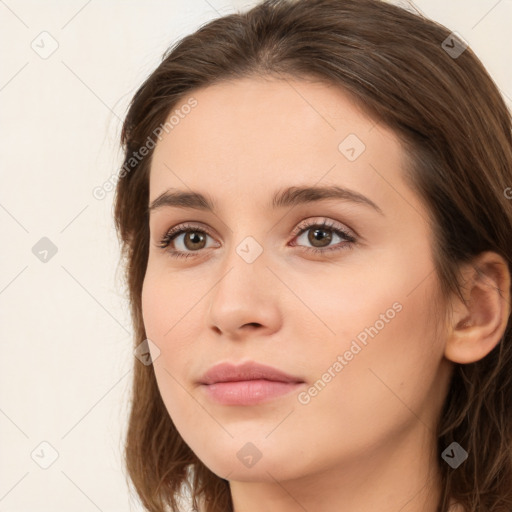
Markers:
<point>253,112</point>
<point>245,138</point>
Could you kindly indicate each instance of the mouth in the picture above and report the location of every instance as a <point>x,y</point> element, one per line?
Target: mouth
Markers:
<point>247,384</point>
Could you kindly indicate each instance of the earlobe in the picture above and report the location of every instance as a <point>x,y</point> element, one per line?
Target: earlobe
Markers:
<point>478,325</point>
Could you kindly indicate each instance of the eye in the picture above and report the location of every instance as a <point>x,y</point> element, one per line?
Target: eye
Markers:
<point>189,239</point>
<point>322,235</point>
<point>193,240</point>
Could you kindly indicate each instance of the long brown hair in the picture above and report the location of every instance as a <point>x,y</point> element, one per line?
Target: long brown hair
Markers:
<point>456,133</point>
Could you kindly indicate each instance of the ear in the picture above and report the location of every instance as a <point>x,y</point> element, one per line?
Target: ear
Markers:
<point>478,326</point>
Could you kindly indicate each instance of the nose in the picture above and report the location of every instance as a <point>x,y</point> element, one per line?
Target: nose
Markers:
<point>245,298</point>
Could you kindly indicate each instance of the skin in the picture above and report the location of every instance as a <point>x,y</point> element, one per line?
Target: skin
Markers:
<point>366,441</point>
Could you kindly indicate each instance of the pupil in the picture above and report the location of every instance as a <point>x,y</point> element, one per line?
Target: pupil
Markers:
<point>195,238</point>
<point>317,237</point>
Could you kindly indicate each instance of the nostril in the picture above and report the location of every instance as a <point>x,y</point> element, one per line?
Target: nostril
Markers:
<point>253,324</point>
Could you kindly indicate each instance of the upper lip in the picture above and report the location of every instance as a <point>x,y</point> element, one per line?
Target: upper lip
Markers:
<point>228,372</point>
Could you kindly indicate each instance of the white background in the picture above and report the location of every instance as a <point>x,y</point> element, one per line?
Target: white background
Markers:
<point>66,348</point>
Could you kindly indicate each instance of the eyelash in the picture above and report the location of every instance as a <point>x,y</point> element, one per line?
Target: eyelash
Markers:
<point>184,228</point>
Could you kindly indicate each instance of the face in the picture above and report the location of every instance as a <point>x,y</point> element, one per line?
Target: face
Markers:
<point>335,290</point>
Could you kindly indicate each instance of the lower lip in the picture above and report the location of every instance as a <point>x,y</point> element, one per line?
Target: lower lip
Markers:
<point>249,392</point>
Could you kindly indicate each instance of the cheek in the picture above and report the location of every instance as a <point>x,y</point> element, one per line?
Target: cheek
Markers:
<point>154,306</point>
<point>167,304</point>
<point>171,320</point>
<point>379,318</point>
<point>384,355</point>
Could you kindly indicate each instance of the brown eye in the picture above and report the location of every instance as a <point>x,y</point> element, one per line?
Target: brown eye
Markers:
<point>194,240</point>
<point>185,240</point>
<point>320,237</point>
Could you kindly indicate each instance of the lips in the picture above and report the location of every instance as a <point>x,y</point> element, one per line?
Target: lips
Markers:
<point>227,372</point>
<point>248,384</point>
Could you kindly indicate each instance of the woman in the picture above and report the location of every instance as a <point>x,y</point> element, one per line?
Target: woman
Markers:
<point>314,214</point>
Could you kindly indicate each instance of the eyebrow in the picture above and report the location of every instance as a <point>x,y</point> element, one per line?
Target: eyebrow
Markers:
<point>285,198</point>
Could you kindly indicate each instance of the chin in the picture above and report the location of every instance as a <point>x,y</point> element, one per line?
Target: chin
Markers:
<point>245,464</point>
